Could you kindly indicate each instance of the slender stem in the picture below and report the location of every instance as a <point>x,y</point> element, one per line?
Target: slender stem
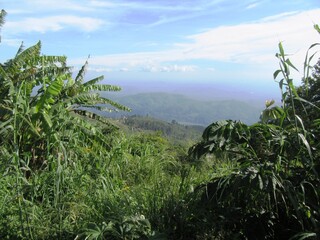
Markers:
<point>16,157</point>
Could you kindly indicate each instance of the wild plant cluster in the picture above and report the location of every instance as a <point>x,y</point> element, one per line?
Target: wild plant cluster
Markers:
<point>68,174</point>
<point>274,191</point>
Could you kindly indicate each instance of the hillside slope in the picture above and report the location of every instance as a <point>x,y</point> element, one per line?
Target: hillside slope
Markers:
<point>186,110</point>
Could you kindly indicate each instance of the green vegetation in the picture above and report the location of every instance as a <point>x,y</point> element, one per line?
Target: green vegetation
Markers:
<point>67,173</point>
<point>274,193</point>
<point>174,131</point>
<point>186,110</point>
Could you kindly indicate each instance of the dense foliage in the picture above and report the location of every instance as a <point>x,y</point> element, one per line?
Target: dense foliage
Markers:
<point>67,173</point>
<point>274,193</point>
<point>174,131</point>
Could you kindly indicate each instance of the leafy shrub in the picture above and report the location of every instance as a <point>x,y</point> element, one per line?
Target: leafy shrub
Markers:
<point>274,193</point>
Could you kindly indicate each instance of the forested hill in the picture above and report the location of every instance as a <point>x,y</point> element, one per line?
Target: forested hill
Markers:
<point>173,130</point>
<point>186,110</point>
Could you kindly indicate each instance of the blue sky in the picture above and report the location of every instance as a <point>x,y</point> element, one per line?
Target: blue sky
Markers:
<point>225,42</point>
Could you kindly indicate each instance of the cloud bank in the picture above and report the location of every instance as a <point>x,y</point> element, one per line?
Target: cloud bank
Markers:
<point>254,43</point>
<point>55,23</point>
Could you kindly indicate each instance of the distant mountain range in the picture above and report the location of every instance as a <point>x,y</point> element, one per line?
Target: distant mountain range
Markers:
<point>174,107</point>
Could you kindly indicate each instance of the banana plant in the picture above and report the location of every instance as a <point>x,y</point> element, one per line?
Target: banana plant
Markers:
<point>38,93</point>
<point>2,18</point>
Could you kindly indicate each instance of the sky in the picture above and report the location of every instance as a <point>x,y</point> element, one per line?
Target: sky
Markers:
<point>228,45</point>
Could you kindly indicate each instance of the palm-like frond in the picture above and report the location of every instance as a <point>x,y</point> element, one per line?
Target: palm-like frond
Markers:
<point>3,73</point>
<point>80,76</point>
<point>29,54</point>
<point>20,50</point>
<point>49,95</point>
<point>91,99</point>
<point>2,18</point>
<point>93,81</point>
<point>102,87</point>
<point>3,13</point>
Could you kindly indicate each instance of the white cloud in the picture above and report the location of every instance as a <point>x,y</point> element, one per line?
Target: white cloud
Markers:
<point>54,23</point>
<point>169,68</point>
<point>100,69</point>
<point>142,66</point>
<point>17,11</point>
<point>278,16</point>
<point>124,69</point>
<point>96,3</point>
<point>253,5</point>
<point>53,5</point>
<point>253,43</point>
<point>11,42</point>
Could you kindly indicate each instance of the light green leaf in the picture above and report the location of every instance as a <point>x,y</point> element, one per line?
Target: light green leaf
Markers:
<point>55,87</point>
<point>291,65</point>
<point>47,119</point>
<point>281,49</point>
<point>306,143</point>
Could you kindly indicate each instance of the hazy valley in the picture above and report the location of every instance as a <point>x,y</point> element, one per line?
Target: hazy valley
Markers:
<point>186,110</point>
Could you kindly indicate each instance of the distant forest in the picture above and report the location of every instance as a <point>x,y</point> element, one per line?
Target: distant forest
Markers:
<point>168,107</point>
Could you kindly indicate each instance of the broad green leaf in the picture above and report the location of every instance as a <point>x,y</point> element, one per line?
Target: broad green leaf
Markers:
<point>55,87</point>
<point>29,53</point>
